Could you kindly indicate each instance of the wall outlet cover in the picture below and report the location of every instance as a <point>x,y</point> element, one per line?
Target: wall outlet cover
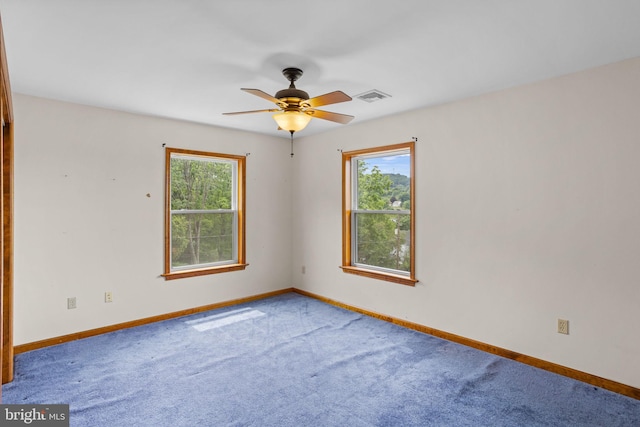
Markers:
<point>563,326</point>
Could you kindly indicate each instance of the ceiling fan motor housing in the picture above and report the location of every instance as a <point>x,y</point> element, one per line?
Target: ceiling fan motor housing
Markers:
<point>292,94</point>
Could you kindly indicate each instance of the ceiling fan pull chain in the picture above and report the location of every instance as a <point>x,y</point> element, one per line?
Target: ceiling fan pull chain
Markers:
<point>291,143</point>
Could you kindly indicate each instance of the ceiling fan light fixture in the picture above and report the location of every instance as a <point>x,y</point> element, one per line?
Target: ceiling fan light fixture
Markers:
<point>292,121</point>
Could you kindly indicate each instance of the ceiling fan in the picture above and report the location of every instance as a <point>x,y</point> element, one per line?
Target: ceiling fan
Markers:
<point>295,109</point>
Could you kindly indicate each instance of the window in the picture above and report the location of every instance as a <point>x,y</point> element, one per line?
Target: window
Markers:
<point>204,219</point>
<point>378,215</point>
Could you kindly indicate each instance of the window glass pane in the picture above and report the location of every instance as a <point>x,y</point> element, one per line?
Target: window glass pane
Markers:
<point>201,184</point>
<point>383,240</point>
<point>201,238</point>
<point>382,183</point>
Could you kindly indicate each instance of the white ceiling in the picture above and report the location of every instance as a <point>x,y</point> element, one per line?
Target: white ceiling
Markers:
<point>187,59</point>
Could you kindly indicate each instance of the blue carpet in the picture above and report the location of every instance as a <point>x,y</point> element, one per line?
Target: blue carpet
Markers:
<point>295,361</point>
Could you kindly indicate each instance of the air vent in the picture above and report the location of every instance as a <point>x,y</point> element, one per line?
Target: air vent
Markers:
<point>372,96</point>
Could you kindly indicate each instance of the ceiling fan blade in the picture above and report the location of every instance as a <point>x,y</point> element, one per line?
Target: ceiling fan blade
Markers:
<point>271,110</point>
<point>328,98</point>
<point>261,94</point>
<point>327,115</point>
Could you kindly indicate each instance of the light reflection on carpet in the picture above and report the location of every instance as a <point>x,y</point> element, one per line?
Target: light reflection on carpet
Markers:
<point>224,319</point>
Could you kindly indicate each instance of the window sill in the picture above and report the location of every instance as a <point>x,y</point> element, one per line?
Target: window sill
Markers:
<point>203,271</point>
<point>395,278</point>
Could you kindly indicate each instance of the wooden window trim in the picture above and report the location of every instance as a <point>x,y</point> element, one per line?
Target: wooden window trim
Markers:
<point>347,260</point>
<point>204,271</point>
<point>241,264</point>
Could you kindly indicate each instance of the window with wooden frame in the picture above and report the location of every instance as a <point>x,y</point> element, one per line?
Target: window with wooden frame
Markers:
<point>204,214</point>
<point>378,225</point>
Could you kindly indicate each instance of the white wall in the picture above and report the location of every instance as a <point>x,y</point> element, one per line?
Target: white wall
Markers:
<point>84,224</point>
<point>527,209</point>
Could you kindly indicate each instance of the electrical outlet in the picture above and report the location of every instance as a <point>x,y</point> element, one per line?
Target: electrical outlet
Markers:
<point>71,303</point>
<point>563,326</point>
<point>108,297</point>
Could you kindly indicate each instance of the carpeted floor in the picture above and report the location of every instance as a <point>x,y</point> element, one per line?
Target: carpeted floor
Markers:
<point>295,361</point>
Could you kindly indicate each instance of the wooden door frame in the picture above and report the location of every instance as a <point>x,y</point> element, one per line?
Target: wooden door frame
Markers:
<point>6,212</point>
